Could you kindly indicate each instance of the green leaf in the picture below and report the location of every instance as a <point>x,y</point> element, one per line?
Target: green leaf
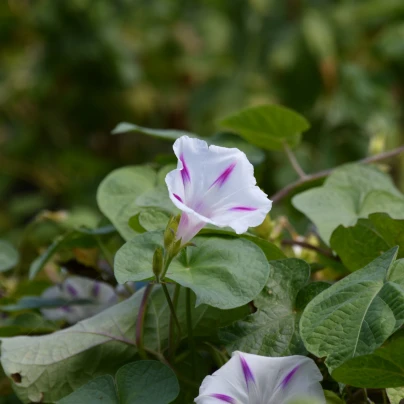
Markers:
<point>360,244</point>
<point>254,154</point>
<point>271,251</point>
<point>125,191</point>
<point>218,270</point>
<point>351,192</point>
<point>9,256</point>
<point>147,382</point>
<point>100,344</point>
<point>101,390</point>
<point>395,394</point>
<point>308,293</point>
<point>154,219</point>
<point>150,219</point>
<point>267,126</point>
<point>382,369</point>
<point>396,273</point>
<point>165,134</point>
<point>273,329</point>
<point>356,315</point>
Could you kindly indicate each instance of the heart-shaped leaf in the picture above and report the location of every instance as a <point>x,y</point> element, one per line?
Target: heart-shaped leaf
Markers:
<point>223,273</point>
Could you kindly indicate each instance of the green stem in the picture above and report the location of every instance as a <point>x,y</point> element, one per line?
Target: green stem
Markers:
<point>140,321</point>
<point>171,337</point>
<point>172,308</point>
<point>293,161</point>
<point>191,341</point>
<point>167,262</point>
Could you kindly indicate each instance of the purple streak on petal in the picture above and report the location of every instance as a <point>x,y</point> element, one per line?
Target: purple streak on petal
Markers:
<point>178,197</point>
<point>289,376</point>
<point>96,289</point>
<point>66,309</point>
<point>242,209</point>
<point>184,172</point>
<point>224,398</point>
<point>249,377</point>
<point>71,289</point>
<point>224,176</point>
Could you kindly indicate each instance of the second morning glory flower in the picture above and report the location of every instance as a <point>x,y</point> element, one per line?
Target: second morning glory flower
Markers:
<point>214,185</point>
<point>255,379</point>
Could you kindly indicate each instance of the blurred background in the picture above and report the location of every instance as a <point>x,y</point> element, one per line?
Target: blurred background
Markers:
<point>70,71</point>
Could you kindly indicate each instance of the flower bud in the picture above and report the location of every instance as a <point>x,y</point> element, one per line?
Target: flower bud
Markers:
<point>171,231</point>
<point>158,263</point>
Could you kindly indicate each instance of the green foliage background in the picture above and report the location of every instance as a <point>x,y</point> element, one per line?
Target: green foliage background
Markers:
<point>71,70</point>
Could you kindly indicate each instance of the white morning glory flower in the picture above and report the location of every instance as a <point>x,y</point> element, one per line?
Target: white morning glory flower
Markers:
<point>100,294</point>
<point>214,185</point>
<point>254,379</point>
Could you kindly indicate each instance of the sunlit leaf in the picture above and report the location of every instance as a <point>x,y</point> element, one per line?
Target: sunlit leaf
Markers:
<point>351,192</point>
<point>267,126</point>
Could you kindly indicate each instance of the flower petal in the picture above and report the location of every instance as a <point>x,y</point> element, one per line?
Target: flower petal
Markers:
<point>216,185</point>
<point>276,380</point>
<point>280,380</point>
<point>189,226</point>
<point>229,380</point>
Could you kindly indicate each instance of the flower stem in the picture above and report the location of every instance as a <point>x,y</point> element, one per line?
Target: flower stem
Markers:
<point>191,342</point>
<point>284,192</point>
<point>167,262</point>
<point>140,321</point>
<point>171,334</point>
<point>293,161</point>
<point>173,316</point>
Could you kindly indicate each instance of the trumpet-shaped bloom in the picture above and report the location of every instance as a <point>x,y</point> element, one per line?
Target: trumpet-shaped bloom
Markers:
<point>254,379</point>
<point>214,185</point>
